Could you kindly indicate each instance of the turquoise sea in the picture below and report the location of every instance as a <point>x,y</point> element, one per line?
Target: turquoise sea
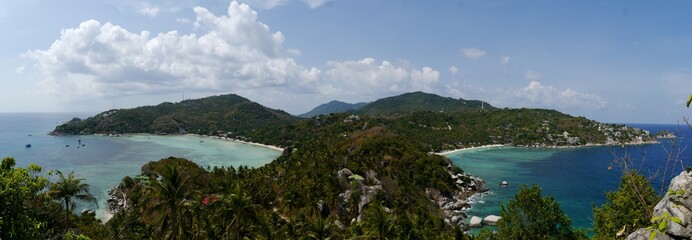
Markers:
<point>576,177</point>
<point>104,161</point>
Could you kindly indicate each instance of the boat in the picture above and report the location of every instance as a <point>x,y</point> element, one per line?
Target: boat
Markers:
<point>28,145</point>
<point>68,145</point>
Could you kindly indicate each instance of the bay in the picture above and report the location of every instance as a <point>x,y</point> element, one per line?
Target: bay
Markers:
<point>104,161</point>
<point>576,177</point>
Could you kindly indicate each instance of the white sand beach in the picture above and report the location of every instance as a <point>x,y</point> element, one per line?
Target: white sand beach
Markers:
<point>470,148</point>
<point>240,141</point>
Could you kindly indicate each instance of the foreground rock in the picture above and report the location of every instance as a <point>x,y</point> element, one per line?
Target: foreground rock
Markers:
<point>677,203</point>
<point>643,234</point>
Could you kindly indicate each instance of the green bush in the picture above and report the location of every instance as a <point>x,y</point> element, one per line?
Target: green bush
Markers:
<point>627,208</point>
<point>531,216</point>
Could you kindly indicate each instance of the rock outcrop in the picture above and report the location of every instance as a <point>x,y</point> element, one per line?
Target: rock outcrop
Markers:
<point>491,220</point>
<point>476,222</point>
<point>455,205</point>
<point>676,204</point>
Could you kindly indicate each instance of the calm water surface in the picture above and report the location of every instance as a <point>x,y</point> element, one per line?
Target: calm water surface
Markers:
<point>104,161</point>
<point>577,177</point>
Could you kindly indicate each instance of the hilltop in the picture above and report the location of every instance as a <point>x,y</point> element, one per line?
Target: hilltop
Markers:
<point>420,101</point>
<point>333,107</point>
<point>226,113</point>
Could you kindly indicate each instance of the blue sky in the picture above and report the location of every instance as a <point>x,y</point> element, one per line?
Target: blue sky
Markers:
<point>612,61</point>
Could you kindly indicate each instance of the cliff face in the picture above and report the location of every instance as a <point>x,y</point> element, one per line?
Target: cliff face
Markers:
<point>675,209</point>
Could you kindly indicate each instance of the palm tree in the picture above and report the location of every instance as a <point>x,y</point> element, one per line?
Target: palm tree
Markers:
<point>240,213</point>
<point>68,188</point>
<point>378,223</point>
<point>319,228</point>
<point>168,202</point>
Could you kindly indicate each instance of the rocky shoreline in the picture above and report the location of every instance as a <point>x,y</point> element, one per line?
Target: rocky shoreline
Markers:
<point>454,206</point>
<point>116,201</point>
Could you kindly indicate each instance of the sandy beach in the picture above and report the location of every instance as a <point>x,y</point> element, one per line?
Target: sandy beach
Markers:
<point>239,141</point>
<point>470,148</point>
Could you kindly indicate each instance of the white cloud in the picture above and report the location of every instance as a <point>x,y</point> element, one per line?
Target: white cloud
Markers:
<point>533,75</point>
<point>182,20</point>
<point>234,52</point>
<point>539,95</point>
<point>473,53</point>
<point>316,3</point>
<point>230,53</point>
<point>20,69</point>
<point>504,60</point>
<point>454,70</point>
<point>265,4</point>
<point>370,79</point>
<point>149,11</point>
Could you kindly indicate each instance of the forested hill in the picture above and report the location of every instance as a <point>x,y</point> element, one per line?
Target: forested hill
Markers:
<point>227,113</point>
<point>333,107</point>
<point>420,101</point>
<point>425,121</point>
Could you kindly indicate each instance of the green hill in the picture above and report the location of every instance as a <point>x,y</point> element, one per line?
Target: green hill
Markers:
<point>341,176</point>
<point>333,107</point>
<point>226,113</point>
<point>420,101</point>
<point>437,122</point>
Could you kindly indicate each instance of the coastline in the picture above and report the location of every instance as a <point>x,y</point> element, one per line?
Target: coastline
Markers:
<point>272,147</point>
<point>106,215</point>
<point>447,152</point>
<point>239,141</point>
<point>470,148</point>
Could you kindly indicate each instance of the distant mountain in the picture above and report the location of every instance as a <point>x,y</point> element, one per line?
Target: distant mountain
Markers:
<point>227,113</point>
<point>420,101</point>
<point>333,107</point>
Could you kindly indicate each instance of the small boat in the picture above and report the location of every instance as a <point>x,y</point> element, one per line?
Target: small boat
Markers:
<point>28,145</point>
<point>504,183</point>
<point>68,145</point>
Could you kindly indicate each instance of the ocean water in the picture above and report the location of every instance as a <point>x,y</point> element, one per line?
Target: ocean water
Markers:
<point>104,161</point>
<point>576,177</point>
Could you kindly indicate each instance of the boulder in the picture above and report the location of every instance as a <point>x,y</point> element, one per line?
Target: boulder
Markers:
<point>676,203</point>
<point>643,234</point>
<point>456,219</point>
<point>345,172</point>
<point>476,222</point>
<point>339,225</point>
<point>491,220</point>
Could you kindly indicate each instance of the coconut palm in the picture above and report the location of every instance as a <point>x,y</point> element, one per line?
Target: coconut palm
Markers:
<point>66,189</point>
<point>378,223</point>
<point>168,202</point>
<point>240,214</point>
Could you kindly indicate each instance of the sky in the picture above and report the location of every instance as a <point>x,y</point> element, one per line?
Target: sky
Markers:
<point>611,61</point>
